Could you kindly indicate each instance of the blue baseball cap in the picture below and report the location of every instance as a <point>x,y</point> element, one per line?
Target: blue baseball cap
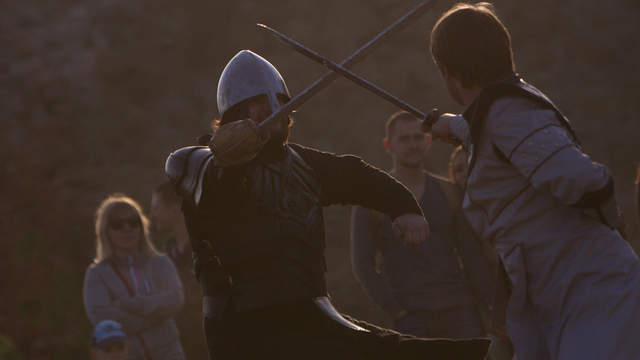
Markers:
<point>107,332</point>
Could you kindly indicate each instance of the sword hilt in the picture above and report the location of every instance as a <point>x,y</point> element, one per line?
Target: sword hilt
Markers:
<point>431,118</point>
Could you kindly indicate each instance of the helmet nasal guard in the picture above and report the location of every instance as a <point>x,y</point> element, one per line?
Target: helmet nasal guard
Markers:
<point>248,75</point>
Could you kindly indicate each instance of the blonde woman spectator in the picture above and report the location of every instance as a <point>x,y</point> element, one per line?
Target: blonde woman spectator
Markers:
<point>131,283</point>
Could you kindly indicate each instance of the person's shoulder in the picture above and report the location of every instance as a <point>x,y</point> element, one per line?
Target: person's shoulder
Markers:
<point>96,266</point>
<point>192,154</point>
<point>511,104</point>
<point>309,154</point>
<point>186,152</point>
<point>96,269</point>
<point>517,111</point>
<point>305,149</point>
<point>326,162</point>
<point>515,104</point>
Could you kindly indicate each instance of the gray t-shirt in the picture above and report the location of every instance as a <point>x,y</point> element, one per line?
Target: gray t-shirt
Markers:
<point>427,277</point>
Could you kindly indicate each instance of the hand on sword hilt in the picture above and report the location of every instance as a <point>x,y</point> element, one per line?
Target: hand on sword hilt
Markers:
<point>431,118</point>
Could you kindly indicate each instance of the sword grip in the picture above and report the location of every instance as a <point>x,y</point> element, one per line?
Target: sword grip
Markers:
<point>431,118</point>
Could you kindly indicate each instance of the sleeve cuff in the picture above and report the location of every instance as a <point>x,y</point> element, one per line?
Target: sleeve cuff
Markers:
<point>459,128</point>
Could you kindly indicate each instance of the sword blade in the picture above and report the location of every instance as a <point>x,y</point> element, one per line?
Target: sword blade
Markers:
<point>353,59</point>
<point>344,72</point>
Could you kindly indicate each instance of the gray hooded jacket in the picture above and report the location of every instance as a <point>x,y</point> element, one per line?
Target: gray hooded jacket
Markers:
<point>157,299</point>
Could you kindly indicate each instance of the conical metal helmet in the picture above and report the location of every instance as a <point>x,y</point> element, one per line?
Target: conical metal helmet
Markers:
<point>248,75</point>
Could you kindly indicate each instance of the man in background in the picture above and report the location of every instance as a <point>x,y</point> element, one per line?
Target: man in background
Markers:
<point>425,290</point>
<point>168,222</point>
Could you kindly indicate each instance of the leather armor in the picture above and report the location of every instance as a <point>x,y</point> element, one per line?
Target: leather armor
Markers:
<point>267,246</point>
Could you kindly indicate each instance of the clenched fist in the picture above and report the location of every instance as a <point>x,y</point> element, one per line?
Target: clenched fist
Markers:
<point>237,143</point>
<point>411,228</point>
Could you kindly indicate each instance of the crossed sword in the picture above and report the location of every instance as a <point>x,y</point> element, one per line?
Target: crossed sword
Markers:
<point>341,69</point>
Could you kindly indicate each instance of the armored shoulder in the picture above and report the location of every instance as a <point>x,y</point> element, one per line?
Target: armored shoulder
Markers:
<point>186,168</point>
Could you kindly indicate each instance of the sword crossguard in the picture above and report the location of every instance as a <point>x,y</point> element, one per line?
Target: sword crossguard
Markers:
<point>430,119</point>
<point>363,52</point>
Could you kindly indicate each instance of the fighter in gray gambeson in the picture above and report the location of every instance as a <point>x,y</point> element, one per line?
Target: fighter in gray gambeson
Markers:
<point>550,211</point>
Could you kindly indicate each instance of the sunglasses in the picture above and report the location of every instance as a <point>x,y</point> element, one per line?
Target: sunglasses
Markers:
<point>118,224</point>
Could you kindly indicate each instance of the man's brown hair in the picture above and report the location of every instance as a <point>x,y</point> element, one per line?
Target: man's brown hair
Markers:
<point>472,44</point>
<point>401,115</point>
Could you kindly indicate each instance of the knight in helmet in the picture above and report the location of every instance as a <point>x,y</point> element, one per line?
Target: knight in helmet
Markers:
<point>253,203</point>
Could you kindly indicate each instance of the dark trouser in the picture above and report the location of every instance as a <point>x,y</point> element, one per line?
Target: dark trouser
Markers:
<point>300,330</point>
<point>297,330</point>
<point>460,322</point>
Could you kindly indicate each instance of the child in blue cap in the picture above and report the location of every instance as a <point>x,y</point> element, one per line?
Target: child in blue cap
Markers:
<point>108,342</point>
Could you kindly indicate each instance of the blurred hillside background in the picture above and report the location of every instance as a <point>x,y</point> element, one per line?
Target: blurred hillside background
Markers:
<point>94,95</point>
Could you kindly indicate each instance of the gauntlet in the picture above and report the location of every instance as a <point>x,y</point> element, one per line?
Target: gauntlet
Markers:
<point>237,143</point>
